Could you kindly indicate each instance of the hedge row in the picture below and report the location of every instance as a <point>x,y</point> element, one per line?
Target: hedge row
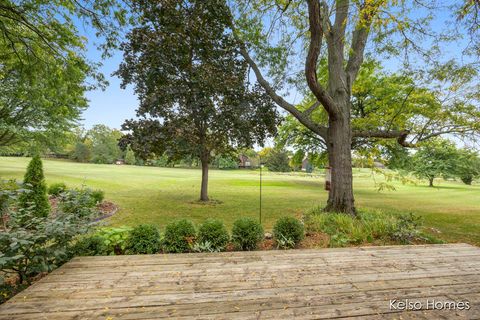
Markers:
<point>182,236</point>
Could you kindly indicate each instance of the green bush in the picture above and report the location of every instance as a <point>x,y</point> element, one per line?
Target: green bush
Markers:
<point>79,202</point>
<point>114,239</point>
<point>36,189</point>
<point>31,244</point>
<point>91,245</point>
<point>179,236</point>
<point>406,230</point>
<point>214,232</point>
<point>97,196</point>
<point>288,232</point>
<point>247,233</point>
<point>56,189</point>
<point>143,239</point>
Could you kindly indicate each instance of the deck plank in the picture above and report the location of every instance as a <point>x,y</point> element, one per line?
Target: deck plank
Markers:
<point>301,284</point>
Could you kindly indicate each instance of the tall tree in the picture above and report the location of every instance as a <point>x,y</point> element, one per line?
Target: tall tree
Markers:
<point>104,141</point>
<point>275,35</point>
<point>43,70</point>
<point>195,99</point>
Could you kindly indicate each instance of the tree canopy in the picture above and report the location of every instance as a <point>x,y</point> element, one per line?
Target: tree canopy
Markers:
<point>288,40</point>
<point>192,84</point>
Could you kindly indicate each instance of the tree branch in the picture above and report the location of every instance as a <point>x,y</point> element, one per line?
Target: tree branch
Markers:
<point>299,115</point>
<point>316,34</point>
<point>359,41</point>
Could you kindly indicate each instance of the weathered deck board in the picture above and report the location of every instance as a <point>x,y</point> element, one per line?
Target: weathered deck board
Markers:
<point>300,284</point>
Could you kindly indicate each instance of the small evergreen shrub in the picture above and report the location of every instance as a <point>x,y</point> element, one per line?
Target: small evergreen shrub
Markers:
<point>91,245</point>
<point>97,196</point>
<point>288,232</point>
<point>179,236</point>
<point>36,189</point>
<point>56,189</point>
<point>143,239</point>
<point>215,233</point>
<point>247,233</point>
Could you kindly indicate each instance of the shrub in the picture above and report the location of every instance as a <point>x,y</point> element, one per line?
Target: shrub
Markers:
<point>214,232</point>
<point>91,245</point>
<point>31,244</point>
<point>288,232</point>
<point>56,189</point>
<point>97,196</point>
<point>78,202</point>
<point>406,229</point>
<point>34,183</point>
<point>247,233</point>
<point>114,239</point>
<point>143,239</point>
<point>179,236</point>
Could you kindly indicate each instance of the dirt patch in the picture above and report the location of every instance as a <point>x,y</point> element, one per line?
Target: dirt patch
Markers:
<point>314,240</point>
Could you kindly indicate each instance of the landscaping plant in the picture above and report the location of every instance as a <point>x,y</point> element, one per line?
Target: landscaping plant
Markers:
<point>56,189</point>
<point>34,183</point>
<point>179,236</point>
<point>247,233</point>
<point>213,232</point>
<point>143,239</point>
<point>288,232</point>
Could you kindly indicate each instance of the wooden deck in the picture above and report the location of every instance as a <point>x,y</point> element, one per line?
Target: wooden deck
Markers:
<point>294,284</point>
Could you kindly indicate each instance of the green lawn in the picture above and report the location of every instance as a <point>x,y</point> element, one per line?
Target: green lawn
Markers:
<point>158,195</point>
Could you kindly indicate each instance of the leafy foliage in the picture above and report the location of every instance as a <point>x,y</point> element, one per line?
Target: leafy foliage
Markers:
<point>369,227</point>
<point>277,160</point>
<point>213,232</point>
<point>31,244</point>
<point>143,239</point>
<point>91,245</point>
<point>288,232</point>
<point>435,159</point>
<point>179,236</point>
<point>247,233</point>
<point>36,189</point>
<point>195,98</point>
<point>114,239</point>
<point>104,144</point>
<point>79,202</point>
<point>130,156</point>
<point>57,188</point>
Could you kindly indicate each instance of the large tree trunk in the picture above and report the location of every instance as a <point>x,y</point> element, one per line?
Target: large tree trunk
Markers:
<point>430,182</point>
<point>204,188</point>
<point>340,197</point>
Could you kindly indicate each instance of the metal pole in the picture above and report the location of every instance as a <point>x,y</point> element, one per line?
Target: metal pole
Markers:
<point>260,192</point>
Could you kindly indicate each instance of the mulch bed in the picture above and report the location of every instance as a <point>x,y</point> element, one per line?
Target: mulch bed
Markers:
<point>106,208</point>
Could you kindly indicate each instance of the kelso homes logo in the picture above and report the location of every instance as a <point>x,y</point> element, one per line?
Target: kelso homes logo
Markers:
<point>428,304</point>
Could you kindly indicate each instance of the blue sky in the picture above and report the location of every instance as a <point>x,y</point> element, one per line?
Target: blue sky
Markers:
<point>113,105</point>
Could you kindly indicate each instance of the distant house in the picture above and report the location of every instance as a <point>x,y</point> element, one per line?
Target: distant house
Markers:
<point>244,161</point>
<point>306,165</point>
<point>378,164</point>
<point>119,162</point>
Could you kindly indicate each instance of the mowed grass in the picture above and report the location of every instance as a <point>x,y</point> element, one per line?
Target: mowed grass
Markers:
<point>160,195</point>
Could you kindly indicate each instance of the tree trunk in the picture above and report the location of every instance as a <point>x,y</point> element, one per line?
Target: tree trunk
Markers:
<point>430,182</point>
<point>340,196</point>
<point>204,188</point>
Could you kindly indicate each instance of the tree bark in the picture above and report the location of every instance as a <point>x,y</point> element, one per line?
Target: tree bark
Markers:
<point>430,182</point>
<point>204,188</point>
<point>340,196</point>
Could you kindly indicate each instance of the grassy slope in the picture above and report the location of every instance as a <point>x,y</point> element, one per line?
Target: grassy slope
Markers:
<point>158,195</point>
